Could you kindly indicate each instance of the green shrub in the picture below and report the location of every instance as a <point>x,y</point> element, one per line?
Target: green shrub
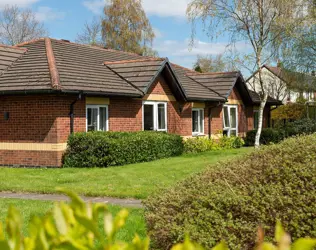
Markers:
<point>202,144</point>
<point>268,136</point>
<point>300,127</point>
<point>228,201</point>
<point>275,135</point>
<point>230,142</point>
<point>198,145</point>
<point>74,227</point>
<point>103,149</point>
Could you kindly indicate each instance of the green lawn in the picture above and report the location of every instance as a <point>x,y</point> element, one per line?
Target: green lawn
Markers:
<point>135,180</point>
<point>135,223</point>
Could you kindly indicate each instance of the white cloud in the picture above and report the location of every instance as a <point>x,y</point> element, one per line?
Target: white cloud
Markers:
<point>162,8</point>
<point>96,6</point>
<point>19,3</point>
<point>166,8</point>
<point>181,53</point>
<point>45,13</point>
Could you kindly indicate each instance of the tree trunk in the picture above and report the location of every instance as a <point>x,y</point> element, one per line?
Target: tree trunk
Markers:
<point>260,122</point>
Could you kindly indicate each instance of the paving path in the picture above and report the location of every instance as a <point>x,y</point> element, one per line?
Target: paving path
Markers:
<point>57,197</point>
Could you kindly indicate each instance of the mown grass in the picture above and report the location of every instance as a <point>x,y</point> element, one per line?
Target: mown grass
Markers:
<point>135,180</point>
<point>135,223</point>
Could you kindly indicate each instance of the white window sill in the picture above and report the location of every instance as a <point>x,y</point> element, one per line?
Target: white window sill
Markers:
<point>198,134</point>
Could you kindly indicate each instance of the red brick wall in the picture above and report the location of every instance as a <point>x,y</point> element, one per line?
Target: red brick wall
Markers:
<point>125,114</point>
<point>37,119</point>
<point>30,158</point>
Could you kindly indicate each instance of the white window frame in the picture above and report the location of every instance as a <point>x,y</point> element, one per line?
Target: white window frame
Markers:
<point>155,104</point>
<point>201,130</point>
<point>98,117</point>
<point>229,129</point>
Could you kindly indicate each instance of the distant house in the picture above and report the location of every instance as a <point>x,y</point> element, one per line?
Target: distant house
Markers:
<point>50,88</point>
<point>279,88</point>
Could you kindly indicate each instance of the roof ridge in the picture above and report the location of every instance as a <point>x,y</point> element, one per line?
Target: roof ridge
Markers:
<point>124,79</point>
<point>213,73</point>
<point>31,41</point>
<point>54,75</point>
<point>135,60</point>
<point>95,47</point>
<point>126,52</point>
<point>179,66</point>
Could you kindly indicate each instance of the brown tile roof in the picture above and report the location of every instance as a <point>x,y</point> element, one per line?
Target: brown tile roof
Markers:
<point>140,72</point>
<point>194,89</point>
<point>57,65</point>
<point>8,55</point>
<point>219,82</point>
<point>29,71</point>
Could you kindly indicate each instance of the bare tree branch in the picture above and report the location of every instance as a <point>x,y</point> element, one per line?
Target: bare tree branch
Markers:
<point>19,25</point>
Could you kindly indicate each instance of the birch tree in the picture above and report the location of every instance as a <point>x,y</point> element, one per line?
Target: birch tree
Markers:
<point>19,25</point>
<point>260,23</point>
<point>126,27</point>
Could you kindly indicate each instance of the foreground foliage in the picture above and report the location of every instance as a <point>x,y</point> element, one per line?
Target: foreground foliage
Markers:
<point>74,226</point>
<point>229,201</point>
<point>103,149</point>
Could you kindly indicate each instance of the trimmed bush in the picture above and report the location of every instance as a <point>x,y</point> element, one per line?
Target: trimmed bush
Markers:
<point>202,144</point>
<point>229,201</point>
<point>103,149</point>
<point>198,145</point>
<point>275,135</point>
<point>268,136</point>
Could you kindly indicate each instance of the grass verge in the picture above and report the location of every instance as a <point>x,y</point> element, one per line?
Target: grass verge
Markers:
<point>135,180</point>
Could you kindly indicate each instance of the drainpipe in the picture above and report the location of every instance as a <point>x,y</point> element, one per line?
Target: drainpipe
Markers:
<point>72,115</point>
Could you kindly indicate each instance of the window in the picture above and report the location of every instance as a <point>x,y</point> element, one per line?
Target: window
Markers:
<point>155,116</point>
<point>230,120</point>
<point>97,117</point>
<point>197,121</point>
<point>255,119</point>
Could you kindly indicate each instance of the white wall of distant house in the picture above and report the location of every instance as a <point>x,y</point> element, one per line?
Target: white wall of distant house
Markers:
<point>275,87</point>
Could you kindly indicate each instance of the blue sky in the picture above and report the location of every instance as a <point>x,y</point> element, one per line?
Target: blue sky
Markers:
<point>64,19</point>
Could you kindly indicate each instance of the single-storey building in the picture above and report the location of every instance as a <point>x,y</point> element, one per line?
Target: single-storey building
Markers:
<point>50,88</point>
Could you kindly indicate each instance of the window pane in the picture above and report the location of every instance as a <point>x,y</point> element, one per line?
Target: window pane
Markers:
<point>226,118</point>
<point>161,116</point>
<point>233,117</point>
<point>102,125</point>
<point>195,121</point>
<point>201,120</point>
<point>92,119</point>
<point>148,117</point>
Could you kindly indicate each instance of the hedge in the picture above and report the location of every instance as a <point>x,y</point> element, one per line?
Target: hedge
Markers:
<point>275,135</point>
<point>202,144</point>
<point>229,201</point>
<point>103,149</point>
